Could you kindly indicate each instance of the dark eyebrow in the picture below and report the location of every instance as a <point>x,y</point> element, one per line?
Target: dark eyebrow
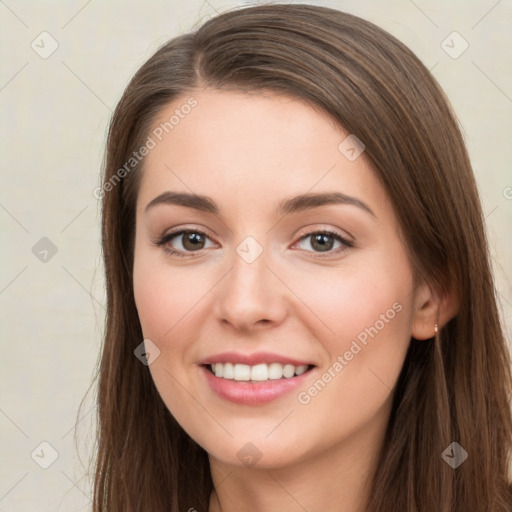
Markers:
<point>309,201</point>
<point>202,203</point>
<point>293,205</point>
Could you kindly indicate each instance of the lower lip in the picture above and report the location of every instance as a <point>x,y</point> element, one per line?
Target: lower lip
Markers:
<point>253,393</point>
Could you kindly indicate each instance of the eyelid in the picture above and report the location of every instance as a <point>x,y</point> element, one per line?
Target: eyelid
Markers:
<point>186,229</point>
<point>324,228</point>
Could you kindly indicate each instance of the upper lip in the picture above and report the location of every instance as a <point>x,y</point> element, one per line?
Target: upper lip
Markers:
<point>252,359</point>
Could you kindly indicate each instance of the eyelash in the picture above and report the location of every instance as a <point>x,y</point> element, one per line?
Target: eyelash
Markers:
<point>161,242</point>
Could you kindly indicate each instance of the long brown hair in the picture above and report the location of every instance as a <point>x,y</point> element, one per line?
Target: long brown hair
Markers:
<point>453,388</point>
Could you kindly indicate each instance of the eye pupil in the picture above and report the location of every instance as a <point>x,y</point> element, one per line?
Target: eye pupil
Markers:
<point>195,239</point>
<point>325,242</point>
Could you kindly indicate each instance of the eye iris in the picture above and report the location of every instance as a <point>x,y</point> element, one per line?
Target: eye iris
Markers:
<point>325,242</point>
<point>195,239</point>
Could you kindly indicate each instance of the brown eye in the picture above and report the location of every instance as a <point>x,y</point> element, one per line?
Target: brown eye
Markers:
<point>185,242</point>
<point>193,241</point>
<point>324,242</point>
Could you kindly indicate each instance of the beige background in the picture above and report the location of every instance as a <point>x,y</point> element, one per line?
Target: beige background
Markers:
<point>54,114</point>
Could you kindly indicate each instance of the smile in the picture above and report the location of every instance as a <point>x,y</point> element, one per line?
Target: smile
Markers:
<point>254,379</point>
<point>257,373</point>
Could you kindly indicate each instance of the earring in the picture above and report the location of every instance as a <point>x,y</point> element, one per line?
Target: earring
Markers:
<point>436,328</point>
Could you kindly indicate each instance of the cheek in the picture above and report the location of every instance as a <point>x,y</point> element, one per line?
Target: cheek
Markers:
<point>153,305</point>
<point>369,310</point>
<point>167,305</point>
<point>355,302</point>
<point>165,298</point>
<point>372,333</point>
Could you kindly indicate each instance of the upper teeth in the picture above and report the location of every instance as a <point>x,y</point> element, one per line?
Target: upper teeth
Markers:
<point>258,372</point>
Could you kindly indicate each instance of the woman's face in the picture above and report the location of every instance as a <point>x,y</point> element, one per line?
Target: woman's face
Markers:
<point>293,265</point>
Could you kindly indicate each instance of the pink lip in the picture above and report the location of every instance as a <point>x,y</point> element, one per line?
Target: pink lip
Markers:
<point>253,359</point>
<point>253,393</point>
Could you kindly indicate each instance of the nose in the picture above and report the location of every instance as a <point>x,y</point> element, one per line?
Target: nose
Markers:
<point>251,296</point>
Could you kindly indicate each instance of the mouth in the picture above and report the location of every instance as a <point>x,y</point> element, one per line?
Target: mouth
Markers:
<point>262,372</point>
<point>256,379</point>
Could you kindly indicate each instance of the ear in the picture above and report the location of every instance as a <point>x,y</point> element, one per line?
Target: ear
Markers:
<point>432,307</point>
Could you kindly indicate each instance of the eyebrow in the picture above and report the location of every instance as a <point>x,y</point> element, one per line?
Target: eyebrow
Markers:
<point>293,205</point>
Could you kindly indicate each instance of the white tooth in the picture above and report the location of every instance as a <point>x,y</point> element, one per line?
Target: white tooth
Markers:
<point>228,371</point>
<point>275,371</point>
<point>288,370</point>
<point>218,369</point>
<point>301,369</point>
<point>242,372</point>
<point>259,372</point>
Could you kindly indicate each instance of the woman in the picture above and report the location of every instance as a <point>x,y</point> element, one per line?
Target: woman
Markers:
<point>301,314</point>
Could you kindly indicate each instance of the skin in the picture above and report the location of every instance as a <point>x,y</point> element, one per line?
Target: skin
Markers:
<point>248,152</point>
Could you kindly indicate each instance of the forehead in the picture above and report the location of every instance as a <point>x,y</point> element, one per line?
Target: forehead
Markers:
<point>247,149</point>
